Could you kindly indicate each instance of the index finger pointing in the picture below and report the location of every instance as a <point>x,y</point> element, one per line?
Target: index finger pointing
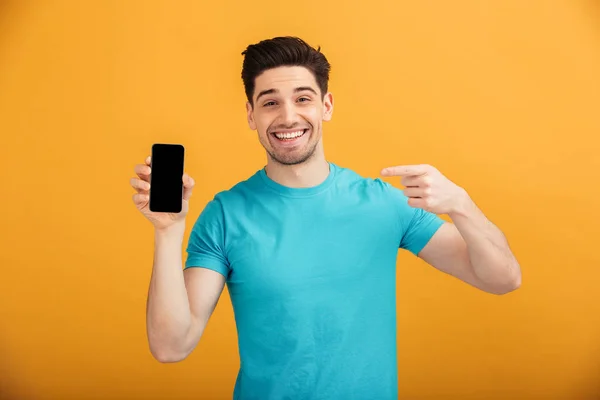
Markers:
<point>405,170</point>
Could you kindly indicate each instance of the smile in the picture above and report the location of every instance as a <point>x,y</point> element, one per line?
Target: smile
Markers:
<point>289,135</point>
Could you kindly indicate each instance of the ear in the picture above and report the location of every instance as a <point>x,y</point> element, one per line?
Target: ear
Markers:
<point>327,107</point>
<point>250,116</point>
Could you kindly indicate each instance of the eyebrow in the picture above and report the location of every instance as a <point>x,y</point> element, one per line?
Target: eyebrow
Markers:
<point>296,90</point>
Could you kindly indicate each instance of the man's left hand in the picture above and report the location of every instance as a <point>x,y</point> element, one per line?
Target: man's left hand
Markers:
<point>428,189</point>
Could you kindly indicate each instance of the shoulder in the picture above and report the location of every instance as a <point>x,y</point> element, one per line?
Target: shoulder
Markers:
<point>373,186</point>
<point>237,191</point>
<point>377,192</point>
<point>233,198</point>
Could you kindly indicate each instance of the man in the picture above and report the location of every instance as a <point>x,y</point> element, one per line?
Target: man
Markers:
<point>308,248</point>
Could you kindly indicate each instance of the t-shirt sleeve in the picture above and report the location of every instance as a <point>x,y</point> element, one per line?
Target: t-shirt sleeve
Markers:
<point>417,226</point>
<point>206,245</point>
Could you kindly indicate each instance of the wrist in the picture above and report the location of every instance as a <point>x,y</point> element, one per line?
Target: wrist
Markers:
<point>175,230</point>
<point>462,206</point>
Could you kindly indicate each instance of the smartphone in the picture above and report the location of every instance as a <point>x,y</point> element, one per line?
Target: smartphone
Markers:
<point>166,178</point>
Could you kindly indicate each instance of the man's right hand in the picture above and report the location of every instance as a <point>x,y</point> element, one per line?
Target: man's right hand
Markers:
<point>142,197</point>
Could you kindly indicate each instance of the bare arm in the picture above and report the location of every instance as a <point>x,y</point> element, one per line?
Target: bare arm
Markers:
<point>179,302</point>
<point>471,248</point>
<point>474,250</point>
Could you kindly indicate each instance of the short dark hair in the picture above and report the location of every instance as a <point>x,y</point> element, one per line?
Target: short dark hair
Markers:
<point>283,51</point>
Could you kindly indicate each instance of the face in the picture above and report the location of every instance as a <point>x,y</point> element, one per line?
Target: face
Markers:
<point>288,114</point>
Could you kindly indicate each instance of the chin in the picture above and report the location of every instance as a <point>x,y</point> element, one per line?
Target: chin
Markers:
<point>292,159</point>
<point>293,156</point>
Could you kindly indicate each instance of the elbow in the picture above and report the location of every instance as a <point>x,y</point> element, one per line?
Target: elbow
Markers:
<point>166,356</point>
<point>169,347</point>
<point>167,359</point>
<point>510,284</point>
<point>509,287</point>
<point>517,281</point>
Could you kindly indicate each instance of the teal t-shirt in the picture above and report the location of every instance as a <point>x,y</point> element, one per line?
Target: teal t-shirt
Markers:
<point>312,277</point>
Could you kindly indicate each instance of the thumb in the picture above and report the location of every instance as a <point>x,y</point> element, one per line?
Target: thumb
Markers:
<point>188,186</point>
<point>188,181</point>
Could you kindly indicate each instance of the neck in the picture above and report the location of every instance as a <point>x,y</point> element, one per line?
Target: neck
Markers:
<point>310,173</point>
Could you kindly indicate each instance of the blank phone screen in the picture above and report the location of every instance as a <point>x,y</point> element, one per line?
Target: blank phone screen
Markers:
<point>166,173</point>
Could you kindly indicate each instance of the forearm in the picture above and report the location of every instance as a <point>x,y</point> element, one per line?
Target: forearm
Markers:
<point>168,314</point>
<point>489,253</point>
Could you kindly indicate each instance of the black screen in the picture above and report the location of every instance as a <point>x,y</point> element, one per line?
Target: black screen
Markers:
<point>166,173</point>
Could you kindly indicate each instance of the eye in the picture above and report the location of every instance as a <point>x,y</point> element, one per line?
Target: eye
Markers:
<point>269,103</point>
<point>303,98</point>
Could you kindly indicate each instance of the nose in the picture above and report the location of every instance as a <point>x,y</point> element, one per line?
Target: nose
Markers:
<point>289,115</point>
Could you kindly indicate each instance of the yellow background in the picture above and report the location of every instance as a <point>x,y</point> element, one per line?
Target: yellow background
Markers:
<point>502,96</point>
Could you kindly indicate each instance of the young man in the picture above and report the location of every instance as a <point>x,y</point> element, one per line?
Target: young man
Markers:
<point>308,248</point>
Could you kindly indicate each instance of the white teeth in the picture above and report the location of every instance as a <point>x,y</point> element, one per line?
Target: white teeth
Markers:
<point>289,135</point>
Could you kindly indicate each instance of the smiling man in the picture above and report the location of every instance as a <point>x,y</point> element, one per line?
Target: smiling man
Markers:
<point>287,141</point>
<point>287,104</point>
<point>308,248</point>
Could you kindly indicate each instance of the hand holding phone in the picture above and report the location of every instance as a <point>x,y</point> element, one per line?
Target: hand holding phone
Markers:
<point>162,188</point>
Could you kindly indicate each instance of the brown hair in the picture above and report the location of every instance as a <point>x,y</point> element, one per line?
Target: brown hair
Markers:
<point>283,51</point>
